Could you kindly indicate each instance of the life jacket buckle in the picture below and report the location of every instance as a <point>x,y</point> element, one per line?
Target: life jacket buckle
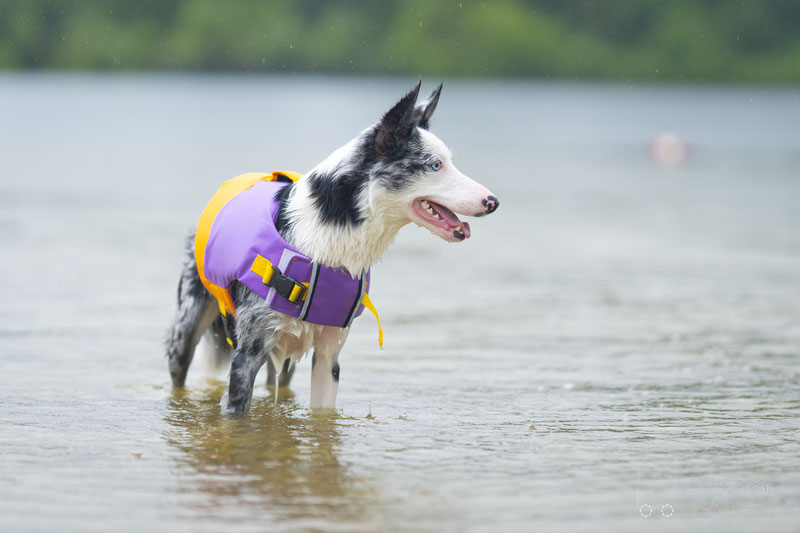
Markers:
<point>288,287</point>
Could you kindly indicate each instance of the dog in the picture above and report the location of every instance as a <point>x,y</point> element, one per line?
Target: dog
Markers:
<point>341,216</point>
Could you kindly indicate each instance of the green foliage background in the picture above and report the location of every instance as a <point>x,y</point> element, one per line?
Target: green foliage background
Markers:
<point>679,40</point>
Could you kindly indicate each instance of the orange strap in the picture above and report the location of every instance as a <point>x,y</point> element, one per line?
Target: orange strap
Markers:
<point>226,192</point>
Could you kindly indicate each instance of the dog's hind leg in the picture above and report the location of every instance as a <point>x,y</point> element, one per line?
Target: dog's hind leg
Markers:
<point>196,311</point>
<point>325,366</point>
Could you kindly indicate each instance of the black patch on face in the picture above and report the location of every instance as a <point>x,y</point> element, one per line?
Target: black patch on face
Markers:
<point>397,144</point>
<point>392,152</point>
<point>400,167</point>
<point>336,195</point>
<point>282,197</point>
<point>335,371</point>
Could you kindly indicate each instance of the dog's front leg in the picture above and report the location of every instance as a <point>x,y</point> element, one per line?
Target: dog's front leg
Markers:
<point>244,368</point>
<point>256,339</point>
<point>325,366</point>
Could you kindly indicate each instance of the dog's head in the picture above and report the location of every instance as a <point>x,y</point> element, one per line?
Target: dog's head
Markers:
<point>413,174</point>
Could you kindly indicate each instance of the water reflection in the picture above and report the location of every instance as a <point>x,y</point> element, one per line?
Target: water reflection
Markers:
<point>280,462</point>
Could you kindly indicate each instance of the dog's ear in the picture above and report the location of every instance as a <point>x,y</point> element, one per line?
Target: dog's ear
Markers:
<point>397,124</point>
<point>424,111</point>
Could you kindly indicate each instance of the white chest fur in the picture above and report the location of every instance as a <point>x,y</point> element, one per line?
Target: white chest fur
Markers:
<point>296,338</point>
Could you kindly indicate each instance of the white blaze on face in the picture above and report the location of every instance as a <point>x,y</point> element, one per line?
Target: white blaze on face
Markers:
<point>435,198</point>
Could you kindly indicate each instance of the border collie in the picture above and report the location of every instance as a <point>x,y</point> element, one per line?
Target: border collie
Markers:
<point>343,214</point>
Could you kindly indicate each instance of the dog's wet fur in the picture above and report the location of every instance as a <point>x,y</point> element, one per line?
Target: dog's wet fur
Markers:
<point>344,213</point>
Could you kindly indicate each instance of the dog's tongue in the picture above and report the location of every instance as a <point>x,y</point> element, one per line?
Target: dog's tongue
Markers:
<point>452,219</point>
<point>446,214</point>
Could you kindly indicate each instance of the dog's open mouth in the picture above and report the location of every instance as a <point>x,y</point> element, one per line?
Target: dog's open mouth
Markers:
<point>441,218</point>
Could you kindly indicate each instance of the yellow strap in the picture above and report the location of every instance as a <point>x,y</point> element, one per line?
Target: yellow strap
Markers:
<point>295,293</point>
<point>263,267</point>
<point>369,305</point>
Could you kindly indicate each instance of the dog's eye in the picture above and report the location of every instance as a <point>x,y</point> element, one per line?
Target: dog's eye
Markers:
<point>436,166</point>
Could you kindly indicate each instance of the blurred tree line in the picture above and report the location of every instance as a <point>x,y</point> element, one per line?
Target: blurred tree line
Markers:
<point>678,40</point>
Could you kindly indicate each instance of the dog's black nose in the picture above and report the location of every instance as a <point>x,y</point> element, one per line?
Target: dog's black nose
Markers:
<point>491,203</point>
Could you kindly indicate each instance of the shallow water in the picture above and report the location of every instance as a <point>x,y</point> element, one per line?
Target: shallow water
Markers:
<point>617,348</point>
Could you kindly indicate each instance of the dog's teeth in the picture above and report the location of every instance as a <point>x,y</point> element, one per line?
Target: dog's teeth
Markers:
<point>425,204</point>
<point>458,229</point>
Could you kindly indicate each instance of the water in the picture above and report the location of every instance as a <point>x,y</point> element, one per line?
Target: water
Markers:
<point>619,340</point>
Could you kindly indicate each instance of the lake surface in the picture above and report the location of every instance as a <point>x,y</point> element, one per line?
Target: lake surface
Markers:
<point>617,348</point>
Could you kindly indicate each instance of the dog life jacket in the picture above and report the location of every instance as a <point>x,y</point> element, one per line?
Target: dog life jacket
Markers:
<point>236,239</point>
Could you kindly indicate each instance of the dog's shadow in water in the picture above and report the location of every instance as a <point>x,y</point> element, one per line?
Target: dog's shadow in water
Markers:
<point>281,458</point>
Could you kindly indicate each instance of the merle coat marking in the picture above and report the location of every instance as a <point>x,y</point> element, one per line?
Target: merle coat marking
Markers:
<point>344,213</point>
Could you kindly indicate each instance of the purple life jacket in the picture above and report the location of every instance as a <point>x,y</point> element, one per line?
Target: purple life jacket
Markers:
<point>237,239</point>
